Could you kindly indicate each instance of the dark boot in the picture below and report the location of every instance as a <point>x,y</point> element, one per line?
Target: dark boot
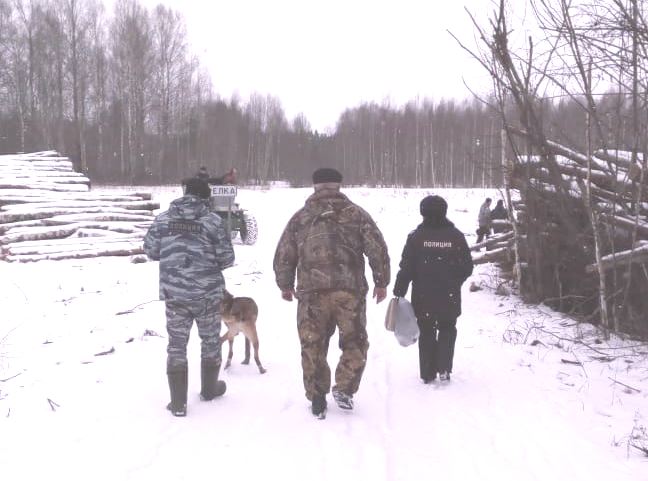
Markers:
<point>318,407</point>
<point>211,387</point>
<point>178,390</point>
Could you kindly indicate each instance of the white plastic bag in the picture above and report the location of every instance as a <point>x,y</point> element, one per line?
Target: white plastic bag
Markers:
<point>401,320</point>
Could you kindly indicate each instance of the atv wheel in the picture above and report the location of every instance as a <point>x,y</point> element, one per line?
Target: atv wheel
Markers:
<point>249,231</point>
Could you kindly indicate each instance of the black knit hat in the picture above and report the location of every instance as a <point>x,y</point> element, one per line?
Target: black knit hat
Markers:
<point>433,206</point>
<point>325,175</point>
<point>198,187</point>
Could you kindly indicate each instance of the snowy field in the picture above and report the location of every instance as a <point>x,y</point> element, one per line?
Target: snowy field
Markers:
<point>83,387</point>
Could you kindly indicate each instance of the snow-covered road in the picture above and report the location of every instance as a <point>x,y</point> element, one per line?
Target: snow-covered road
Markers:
<point>514,410</point>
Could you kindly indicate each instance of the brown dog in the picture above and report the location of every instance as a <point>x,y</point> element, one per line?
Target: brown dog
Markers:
<point>239,315</point>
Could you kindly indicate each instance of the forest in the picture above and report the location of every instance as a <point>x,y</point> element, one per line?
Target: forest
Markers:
<point>121,94</point>
<point>563,133</point>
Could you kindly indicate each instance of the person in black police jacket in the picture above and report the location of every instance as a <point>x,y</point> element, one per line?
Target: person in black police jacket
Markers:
<point>437,261</point>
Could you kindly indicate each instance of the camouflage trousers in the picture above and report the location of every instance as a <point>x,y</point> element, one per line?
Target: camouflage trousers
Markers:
<point>180,316</point>
<point>318,314</point>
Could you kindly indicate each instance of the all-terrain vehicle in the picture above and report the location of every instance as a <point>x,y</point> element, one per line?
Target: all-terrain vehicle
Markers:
<point>238,221</point>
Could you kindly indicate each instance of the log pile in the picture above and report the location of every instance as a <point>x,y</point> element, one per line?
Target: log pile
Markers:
<point>47,211</point>
<point>580,232</point>
<point>498,247</point>
<point>619,198</point>
<point>614,190</point>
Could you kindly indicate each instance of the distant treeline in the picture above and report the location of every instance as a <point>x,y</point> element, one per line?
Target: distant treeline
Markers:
<point>122,95</point>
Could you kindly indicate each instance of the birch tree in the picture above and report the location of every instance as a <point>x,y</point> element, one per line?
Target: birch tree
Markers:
<point>132,54</point>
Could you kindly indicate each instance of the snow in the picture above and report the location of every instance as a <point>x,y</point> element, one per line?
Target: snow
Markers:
<point>623,154</point>
<point>38,201</point>
<point>517,408</point>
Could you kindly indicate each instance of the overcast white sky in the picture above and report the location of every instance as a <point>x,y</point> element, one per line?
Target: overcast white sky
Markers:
<point>322,57</point>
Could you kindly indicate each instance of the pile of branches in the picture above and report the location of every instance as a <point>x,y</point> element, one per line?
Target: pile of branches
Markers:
<point>580,228</point>
<point>47,211</point>
<point>583,233</point>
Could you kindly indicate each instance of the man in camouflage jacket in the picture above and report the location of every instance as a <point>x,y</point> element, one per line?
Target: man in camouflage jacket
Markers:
<point>193,248</point>
<point>322,248</point>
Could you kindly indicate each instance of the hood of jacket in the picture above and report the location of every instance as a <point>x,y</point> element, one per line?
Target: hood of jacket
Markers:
<point>188,207</point>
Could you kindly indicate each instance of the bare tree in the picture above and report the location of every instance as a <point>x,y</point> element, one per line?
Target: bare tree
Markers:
<point>170,45</point>
<point>132,55</point>
<point>582,43</point>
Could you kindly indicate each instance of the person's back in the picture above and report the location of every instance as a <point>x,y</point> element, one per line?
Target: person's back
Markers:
<point>499,212</point>
<point>191,252</point>
<point>332,235</point>
<point>484,220</point>
<point>193,248</point>
<point>229,178</point>
<point>484,217</point>
<point>438,262</point>
<point>322,250</point>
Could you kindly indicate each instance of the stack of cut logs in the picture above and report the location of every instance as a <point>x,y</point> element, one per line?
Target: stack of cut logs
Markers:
<point>47,211</point>
<point>498,246</point>
<point>618,191</point>
<point>616,182</point>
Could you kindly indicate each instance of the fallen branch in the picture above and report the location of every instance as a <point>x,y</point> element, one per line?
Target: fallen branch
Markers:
<point>624,385</point>
<point>496,255</point>
<point>105,353</point>
<point>11,377</point>
<point>636,255</point>
<point>568,361</point>
<point>132,310</point>
<point>643,449</point>
<point>494,239</point>
<point>53,404</point>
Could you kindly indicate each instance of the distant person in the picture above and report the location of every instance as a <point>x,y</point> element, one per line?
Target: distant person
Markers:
<point>202,173</point>
<point>193,248</point>
<point>484,220</point>
<point>228,178</point>
<point>322,249</point>
<point>437,261</point>
<point>498,213</point>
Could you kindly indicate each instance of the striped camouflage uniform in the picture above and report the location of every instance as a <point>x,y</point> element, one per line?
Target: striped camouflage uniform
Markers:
<point>193,248</point>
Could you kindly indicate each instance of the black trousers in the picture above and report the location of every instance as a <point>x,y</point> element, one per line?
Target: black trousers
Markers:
<point>482,233</point>
<point>436,346</point>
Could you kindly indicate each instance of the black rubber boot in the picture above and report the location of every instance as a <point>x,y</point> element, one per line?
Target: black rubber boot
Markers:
<point>318,407</point>
<point>178,378</point>
<point>211,387</point>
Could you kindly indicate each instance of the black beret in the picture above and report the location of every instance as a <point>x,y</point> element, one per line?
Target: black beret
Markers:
<point>198,187</point>
<point>326,174</point>
<point>433,206</point>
